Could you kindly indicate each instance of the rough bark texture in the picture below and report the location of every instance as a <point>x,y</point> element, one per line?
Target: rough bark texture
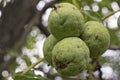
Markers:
<point>14,18</point>
<point>16,22</point>
<point>12,25</point>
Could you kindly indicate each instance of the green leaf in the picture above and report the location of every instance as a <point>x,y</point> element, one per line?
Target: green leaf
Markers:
<point>80,3</point>
<point>27,60</point>
<point>106,3</point>
<point>30,42</point>
<point>70,1</point>
<point>12,67</point>
<point>103,60</point>
<point>91,15</point>
<point>75,3</point>
<point>28,76</point>
<point>114,36</point>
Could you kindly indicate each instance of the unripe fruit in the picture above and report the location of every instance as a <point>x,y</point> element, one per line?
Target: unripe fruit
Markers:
<point>97,38</point>
<point>70,56</point>
<point>65,20</point>
<point>48,47</point>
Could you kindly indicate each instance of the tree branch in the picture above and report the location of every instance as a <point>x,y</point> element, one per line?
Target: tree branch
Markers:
<point>28,28</point>
<point>110,14</point>
<point>114,47</point>
<point>40,25</point>
<point>33,65</point>
<point>14,17</point>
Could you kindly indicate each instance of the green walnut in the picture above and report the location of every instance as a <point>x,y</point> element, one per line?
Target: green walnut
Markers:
<point>48,47</point>
<point>97,38</point>
<point>65,20</point>
<point>70,56</point>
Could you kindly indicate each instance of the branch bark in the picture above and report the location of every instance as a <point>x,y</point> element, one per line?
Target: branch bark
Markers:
<point>12,26</point>
<point>40,25</point>
<point>114,47</point>
<point>14,17</point>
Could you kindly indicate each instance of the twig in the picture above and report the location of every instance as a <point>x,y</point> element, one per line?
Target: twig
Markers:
<point>114,47</point>
<point>33,65</point>
<point>100,72</point>
<point>91,69</point>
<point>90,75</point>
<point>98,67</point>
<point>110,14</point>
<point>95,66</point>
<point>40,25</point>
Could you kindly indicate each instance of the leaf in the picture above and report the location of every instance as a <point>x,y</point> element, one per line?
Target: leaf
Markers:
<point>82,3</point>
<point>70,1</point>
<point>12,67</point>
<point>103,60</point>
<point>79,3</point>
<point>91,15</point>
<point>27,60</point>
<point>28,76</point>
<point>105,3</point>
<point>75,3</point>
<point>30,42</point>
<point>114,36</point>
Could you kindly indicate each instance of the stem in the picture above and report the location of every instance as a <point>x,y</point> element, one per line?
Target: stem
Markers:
<point>110,14</point>
<point>33,65</point>
<point>98,67</point>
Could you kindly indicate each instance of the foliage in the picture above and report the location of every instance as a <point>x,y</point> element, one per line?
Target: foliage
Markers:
<point>28,76</point>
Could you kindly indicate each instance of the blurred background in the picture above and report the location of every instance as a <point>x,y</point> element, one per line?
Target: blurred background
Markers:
<point>23,30</point>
